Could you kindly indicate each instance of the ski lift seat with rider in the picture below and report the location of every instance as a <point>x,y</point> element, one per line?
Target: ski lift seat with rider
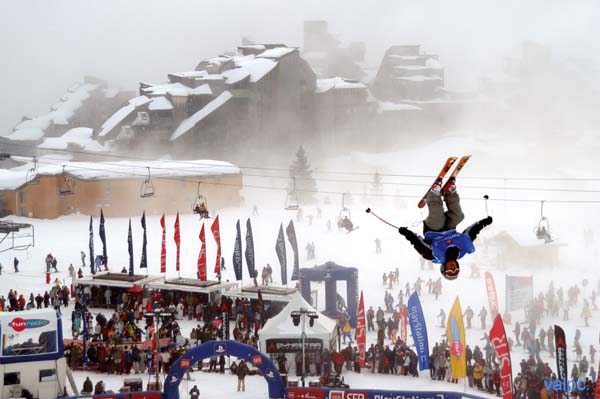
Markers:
<point>344,219</point>
<point>147,189</point>
<point>67,186</point>
<point>200,205</point>
<point>542,231</point>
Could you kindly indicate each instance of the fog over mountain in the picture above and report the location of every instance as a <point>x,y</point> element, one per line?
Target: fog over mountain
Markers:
<point>46,46</point>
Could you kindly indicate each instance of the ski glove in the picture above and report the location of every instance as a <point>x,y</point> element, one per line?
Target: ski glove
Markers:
<point>404,231</point>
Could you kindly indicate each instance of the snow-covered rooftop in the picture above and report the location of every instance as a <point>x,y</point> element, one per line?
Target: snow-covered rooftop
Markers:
<point>11,179</point>
<point>60,114</point>
<point>81,136</point>
<point>256,67</point>
<point>160,103</point>
<point>324,85</point>
<point>122,113</point>
<point>176,89</point>
<point>235,75</point>
<point>187,124</point>
<point>277,52</point>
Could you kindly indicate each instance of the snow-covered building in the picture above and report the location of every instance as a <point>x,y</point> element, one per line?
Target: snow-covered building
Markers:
<point>84,105</point>
<point>328,57</point>
<point>121,188</point>
<point>407,74</point>
<point>254,96</point>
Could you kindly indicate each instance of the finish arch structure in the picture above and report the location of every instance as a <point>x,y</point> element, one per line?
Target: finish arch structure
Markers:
<point>232,348</point>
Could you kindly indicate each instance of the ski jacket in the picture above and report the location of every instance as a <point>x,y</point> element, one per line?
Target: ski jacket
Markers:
<point>433,246</point>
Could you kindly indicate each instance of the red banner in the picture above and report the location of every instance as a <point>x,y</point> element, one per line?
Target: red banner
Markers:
<point>361,332</point>
<point>217,236</point>
<point>202,256</point>
<point>403,324</point>
<point>306,393</point>
<point>163,247</point>
<point>177,239</point>
<point>491,293</point>
<point>498,340</point>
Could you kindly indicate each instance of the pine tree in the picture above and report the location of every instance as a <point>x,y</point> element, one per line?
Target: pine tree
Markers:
<point>377,185</point>
<point>305,184</point>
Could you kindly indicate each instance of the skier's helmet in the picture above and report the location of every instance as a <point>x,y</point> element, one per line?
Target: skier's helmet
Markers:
<point>450,269</point>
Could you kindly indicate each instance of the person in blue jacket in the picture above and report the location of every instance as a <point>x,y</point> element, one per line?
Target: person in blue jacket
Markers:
<point>441,242</point>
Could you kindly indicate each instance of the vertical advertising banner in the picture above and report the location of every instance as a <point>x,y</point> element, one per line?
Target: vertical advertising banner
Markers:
<point>216,232</point>
<point>202,256</point>
<point>281,255</point>
<point>237,253</point>
<point>291,233</point>
<point>163,246</point>
<point>499,341</point>
<point>418,329</point>
<point>561,355</point>
<point>361,332</point>
<point>491,293</point>
<point>455,331</point>
<point>177,239</point>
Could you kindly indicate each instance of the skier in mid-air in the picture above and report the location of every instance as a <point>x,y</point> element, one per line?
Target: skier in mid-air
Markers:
<point>441,242</point>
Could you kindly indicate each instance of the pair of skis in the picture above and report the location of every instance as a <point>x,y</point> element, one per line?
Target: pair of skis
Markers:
<point>440,177</point>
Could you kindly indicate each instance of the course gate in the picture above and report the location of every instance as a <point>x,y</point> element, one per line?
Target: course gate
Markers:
<point>250,354</point>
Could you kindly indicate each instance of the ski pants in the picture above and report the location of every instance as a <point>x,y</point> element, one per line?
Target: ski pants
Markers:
<point>437,219</point>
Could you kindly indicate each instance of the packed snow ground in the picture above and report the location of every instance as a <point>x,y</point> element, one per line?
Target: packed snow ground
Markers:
<point>67,236</point>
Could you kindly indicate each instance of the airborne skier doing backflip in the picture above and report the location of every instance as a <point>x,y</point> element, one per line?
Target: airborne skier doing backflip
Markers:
<point>441,242</point>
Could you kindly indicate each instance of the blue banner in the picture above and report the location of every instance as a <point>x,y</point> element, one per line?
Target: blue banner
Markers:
<point>130,247</point>
<point>237,253</point>
<point>280,249</point>
<point>418,329</point>
<point>102,234</point>
<point>144,260</point>
<point>291,233</point>
<point>250,250</point>
<point>91,247</point>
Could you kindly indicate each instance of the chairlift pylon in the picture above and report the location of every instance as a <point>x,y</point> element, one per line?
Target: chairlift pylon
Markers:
<point>147,189</point>
<point>67,186</point>
<point>291,198</point>
<point>31,176</point>
<point>200,205</point>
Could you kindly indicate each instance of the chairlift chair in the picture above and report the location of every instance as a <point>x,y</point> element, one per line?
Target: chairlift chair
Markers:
<point>31,176</point>
<point>67,186</point>
<point>147,189</point>
<point>344,219</point>
<point>542,231</point>
<point>291,198</point>
<point>200,205</point>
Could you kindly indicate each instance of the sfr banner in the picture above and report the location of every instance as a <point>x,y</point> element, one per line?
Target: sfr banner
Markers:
<point>455,331</point>
<point>519,292</point>
<point>361,333</point>
<point>561,355</point>
<point>214,228</point>
<point>418,329</point>
<point>491,293</point>
<point>202,256</point>
<point>500,343</point>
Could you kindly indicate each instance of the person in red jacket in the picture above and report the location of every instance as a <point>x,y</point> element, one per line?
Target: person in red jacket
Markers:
<point>21,302</point>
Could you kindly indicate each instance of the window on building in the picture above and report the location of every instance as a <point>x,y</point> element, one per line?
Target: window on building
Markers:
<point>23,211</point>
<point>106,186</point>
<point>47,375</point>
<point>12,378</point>
<point>22,196</point>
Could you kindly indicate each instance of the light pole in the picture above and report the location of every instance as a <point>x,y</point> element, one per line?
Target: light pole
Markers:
<point>296,316</point>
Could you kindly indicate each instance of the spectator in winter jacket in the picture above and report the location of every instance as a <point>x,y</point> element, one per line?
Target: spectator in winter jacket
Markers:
<point>242,372</point>
<point>88,386</point>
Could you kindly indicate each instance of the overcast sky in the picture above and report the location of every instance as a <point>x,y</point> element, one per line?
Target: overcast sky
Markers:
<point>46,46</point>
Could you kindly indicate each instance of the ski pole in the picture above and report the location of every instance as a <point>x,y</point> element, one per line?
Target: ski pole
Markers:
<point>384,221</point>
<point>486,198</point>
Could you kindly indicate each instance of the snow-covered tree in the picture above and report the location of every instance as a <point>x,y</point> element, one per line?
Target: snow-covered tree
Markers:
<point>305,184</point>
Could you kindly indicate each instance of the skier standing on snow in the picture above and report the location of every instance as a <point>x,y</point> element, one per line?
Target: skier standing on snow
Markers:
<point>441,242</point>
